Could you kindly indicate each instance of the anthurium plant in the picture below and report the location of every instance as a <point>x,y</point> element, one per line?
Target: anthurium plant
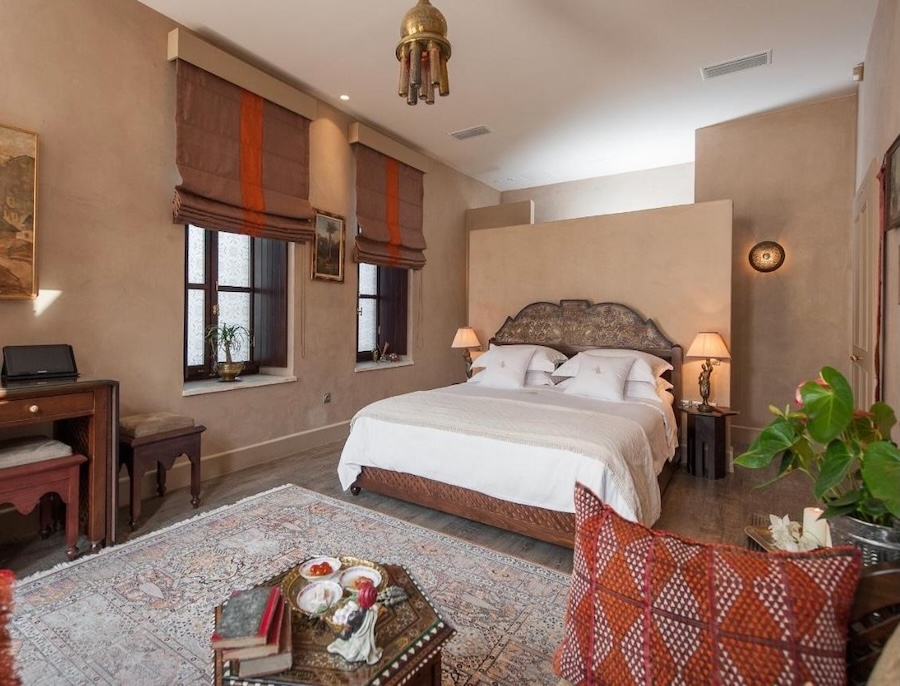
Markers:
<point>847,452</point>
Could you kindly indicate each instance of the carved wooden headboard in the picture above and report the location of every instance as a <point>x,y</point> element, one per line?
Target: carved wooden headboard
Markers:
<point>575,325</point>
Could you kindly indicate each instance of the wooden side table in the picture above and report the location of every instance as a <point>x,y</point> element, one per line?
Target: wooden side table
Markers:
<point>707,438</point>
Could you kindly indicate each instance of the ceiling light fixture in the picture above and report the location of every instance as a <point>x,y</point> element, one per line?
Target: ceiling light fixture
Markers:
<point>423,52</point>
<point>345,97</point>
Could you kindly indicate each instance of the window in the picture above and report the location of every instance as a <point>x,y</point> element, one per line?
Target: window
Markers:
<point>381,308</point>
<point>234,279</point>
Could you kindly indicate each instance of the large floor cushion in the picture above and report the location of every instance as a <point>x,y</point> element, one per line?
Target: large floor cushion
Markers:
<point>649,607</point>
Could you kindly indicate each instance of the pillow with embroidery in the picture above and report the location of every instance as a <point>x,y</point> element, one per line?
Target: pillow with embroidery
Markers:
<point>601,377</point>
<point>507,368</point>
<point>647,606</point>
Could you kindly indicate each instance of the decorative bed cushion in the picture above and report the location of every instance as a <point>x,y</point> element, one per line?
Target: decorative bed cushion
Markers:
<point>602,378</point>
<point>137,425</point>
<point>543,359</point>
<point>508,367</point>
<point>646,367</point>
<point>8,675</point>
<point>531,380</point>
<point>649,607</point>
<point>30,449</point>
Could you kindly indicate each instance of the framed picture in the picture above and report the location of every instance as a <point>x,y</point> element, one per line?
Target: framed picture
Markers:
<point>328,251</point>
<point>892,187</point>
<point>18,201</point>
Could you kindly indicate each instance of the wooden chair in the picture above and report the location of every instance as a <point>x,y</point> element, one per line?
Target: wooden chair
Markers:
<point>34,466</point>
<point>875,616</point>
<point>158,439</point>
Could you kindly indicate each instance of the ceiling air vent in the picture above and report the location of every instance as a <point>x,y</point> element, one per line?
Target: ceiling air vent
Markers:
<point>741,63</point>
<point>470,132</point>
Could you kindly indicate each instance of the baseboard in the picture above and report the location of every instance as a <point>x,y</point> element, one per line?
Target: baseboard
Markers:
<point>220,464</point>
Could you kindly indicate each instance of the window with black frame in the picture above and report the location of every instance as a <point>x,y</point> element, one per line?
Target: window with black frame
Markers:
<point>234,279</point>
<point>382,302</point>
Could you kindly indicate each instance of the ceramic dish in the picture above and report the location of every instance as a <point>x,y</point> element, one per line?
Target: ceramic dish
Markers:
<point>307,573</point>
<point>318,597</point>
<point>352,576</point>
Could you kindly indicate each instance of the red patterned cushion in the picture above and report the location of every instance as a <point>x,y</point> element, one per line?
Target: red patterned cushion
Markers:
<point>649,607</point>
<point>8,675</point>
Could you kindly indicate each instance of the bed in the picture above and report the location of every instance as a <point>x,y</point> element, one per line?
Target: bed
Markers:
<point>509,458</point>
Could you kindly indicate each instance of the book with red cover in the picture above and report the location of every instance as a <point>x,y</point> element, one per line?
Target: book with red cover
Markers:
<point>270,647</point>
<point>271,664</point>
<point>246,618</point>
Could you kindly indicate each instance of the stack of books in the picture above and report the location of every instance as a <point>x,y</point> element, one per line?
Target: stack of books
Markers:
<point>254,632</point>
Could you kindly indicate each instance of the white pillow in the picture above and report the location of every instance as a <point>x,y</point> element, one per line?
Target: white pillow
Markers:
<point>507,368</point>
<point>644,390</point>
<point>544,359</point>
<point>531,379</point>
<point>645,367</point>
<point>602,378</point>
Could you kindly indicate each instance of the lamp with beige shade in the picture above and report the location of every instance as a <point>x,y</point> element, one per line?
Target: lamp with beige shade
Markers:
<point>466,338</point>
<point>708,344</point>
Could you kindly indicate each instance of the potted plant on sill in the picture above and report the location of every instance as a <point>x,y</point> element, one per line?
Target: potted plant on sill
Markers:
<point>849,456</point>
<point>229,338</point>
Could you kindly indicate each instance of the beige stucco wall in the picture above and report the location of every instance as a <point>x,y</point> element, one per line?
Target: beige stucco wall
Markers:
<point>790,174</point>
<point>878,127</point>
<point>671,264</point>
<point>629,192</point>
<point>91,77</point>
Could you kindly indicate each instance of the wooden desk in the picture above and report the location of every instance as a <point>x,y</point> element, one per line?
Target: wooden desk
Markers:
<point>85,415</point>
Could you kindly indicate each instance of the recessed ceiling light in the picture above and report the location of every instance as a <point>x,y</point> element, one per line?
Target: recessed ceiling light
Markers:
<point>345,97</point>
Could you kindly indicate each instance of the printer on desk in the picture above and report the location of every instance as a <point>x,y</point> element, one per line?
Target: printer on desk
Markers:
<point>38,363</point>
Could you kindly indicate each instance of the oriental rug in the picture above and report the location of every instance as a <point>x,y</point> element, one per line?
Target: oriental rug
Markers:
<point>142,612</point>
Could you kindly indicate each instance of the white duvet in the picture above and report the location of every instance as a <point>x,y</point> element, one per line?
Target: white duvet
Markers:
<point>526,446</point>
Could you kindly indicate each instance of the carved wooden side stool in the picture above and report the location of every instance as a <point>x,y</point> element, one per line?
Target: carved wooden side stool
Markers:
<point>158,438</point>
<point>33,466</point>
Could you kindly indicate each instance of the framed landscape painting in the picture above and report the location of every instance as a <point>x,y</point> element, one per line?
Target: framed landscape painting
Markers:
<point>18,200</point>
<point>892,187</point>
<point>328,251</point>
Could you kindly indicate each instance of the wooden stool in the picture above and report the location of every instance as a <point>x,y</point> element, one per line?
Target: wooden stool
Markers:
<point>34,466</point>
<point>158,438</point>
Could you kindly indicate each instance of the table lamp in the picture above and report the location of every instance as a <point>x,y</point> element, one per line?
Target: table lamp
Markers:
<point>710,345</point>
<point>466,338</point>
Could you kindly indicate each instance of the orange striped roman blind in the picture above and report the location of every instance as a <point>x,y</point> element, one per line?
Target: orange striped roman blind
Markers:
<point>389,211</point>
<point>243,160</point>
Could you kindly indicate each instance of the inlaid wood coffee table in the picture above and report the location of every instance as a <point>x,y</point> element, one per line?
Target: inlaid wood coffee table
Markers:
<point>410,634</point>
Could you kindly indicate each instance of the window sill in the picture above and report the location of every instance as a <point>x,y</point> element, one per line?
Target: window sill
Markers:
<point>372,366</point>
<point>214,386</point>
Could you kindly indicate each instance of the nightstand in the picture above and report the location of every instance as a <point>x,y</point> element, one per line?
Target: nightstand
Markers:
<point>707,441</point>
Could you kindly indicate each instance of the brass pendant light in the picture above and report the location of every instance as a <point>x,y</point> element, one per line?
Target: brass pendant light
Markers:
<point>423,52</point>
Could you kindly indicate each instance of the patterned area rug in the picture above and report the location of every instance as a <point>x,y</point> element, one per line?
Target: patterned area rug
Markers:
<point>142,612</point>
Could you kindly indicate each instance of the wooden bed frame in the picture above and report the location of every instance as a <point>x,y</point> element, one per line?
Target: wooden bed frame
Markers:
<point>570,327</point>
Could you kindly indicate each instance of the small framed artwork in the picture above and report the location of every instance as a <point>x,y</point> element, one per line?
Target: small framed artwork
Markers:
<point>892,187</point>
<point>328,251</point>
<point>18,202</point>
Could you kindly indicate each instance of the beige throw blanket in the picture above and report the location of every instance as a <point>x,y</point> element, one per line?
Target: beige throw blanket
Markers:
<point>616,442</point>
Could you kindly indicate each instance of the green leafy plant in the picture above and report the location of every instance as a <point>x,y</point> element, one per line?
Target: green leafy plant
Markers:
<point>229,338</point>
<point>847,452</point>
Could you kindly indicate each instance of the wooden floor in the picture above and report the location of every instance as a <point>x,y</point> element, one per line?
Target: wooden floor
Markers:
<point>711,510</point>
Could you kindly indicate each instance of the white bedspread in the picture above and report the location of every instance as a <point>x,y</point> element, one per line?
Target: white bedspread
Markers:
<point>526,446</point>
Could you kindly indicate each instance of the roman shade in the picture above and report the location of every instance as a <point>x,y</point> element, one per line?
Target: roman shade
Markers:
<point>389,211</point>
<point>243,160</point>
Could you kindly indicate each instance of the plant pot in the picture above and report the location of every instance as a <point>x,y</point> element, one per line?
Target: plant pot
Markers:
<point>877,543</point>
<point>227,371</point>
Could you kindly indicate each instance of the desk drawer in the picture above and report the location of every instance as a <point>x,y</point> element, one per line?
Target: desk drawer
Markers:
<point>46,409</point>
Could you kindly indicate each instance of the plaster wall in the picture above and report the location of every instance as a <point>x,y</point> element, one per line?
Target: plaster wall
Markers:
<point>613,194</point>
<point>671,264</point>
<point>92,79</point>
<point>878,127</point>
<point>790,174</point>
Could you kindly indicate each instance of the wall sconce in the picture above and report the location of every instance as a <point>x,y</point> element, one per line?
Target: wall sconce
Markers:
<point>766,256</point>
<point>466,338</point>
<point>710,345</point>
